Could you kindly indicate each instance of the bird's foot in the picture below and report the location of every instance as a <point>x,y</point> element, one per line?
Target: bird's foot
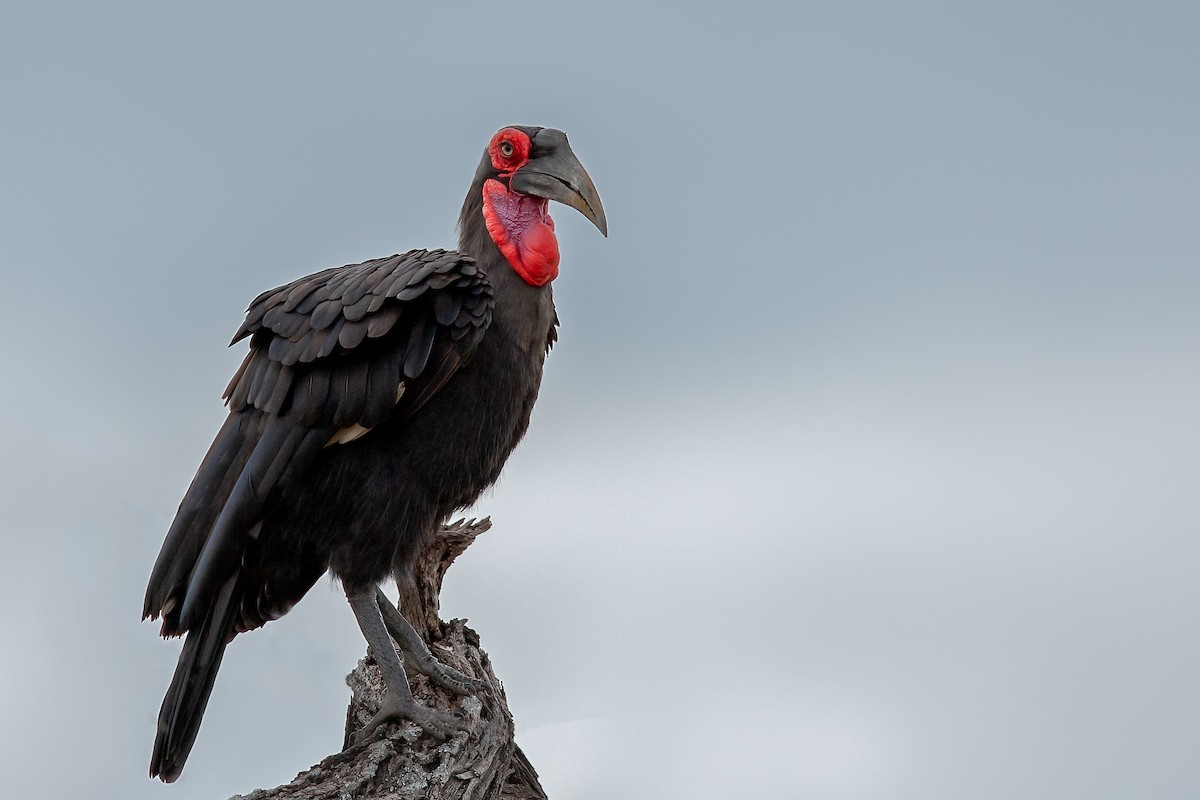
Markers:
<point>417,655</point>
<point>438,724</point>
<point>446,677</point>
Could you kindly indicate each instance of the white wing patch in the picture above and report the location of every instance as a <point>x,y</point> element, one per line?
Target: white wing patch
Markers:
<point>347,435</point>
<point>356,431</point>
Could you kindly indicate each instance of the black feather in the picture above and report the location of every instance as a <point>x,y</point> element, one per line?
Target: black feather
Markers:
<point>420,343</point>
<point>274,403</point>
<point>187,696</point>
<point>446,308</point>
<point>324,314</point>
<point>352,334</point>
<point>382,320</point>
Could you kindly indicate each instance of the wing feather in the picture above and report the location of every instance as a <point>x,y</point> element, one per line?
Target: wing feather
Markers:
<point>359,309</point>
<point>315,296</point>
<point>324,314</point>
<point>420,344</point>
<point>382,321</point>
<point>446,307</point>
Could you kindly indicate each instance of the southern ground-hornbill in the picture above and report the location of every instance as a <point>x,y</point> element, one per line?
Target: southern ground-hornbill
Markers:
<point>376,399</point>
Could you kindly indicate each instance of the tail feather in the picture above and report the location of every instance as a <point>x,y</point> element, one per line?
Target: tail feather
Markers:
<point>183,707</point>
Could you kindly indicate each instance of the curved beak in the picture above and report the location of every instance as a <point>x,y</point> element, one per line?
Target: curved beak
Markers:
<point>554,173</point>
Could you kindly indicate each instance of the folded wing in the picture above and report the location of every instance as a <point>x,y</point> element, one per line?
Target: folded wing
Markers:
<point>332,355</point>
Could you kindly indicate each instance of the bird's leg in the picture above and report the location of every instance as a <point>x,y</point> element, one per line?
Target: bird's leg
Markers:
<point>399,702</point>
<point>417,654</point>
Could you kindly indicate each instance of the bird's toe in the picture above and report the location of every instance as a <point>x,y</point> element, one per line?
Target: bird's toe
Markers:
<point>456,682</point>
<point>438,724</point>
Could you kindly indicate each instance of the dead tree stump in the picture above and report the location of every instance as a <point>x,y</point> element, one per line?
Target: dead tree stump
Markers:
<point>400,762</point>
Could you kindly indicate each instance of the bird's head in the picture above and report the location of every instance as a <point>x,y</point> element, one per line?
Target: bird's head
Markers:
<point>521,170</point>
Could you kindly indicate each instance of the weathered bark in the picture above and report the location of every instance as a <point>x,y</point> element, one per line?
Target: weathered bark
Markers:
<point>400,762</point>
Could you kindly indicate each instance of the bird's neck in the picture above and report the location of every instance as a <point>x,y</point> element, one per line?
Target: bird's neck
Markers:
<point>514,228</point>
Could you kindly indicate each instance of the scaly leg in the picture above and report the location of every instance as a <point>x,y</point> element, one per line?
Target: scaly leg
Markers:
<point>417,654</point>
<point>399,702</point>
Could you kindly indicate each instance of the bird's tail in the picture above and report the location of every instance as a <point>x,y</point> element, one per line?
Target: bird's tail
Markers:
<point>183,707</point>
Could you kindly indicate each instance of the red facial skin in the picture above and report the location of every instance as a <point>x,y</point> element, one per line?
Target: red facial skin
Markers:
<point>518,223</point>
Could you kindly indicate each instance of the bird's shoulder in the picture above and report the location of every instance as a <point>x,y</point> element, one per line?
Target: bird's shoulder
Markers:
<point>340,346</point>
<point>337,309</point>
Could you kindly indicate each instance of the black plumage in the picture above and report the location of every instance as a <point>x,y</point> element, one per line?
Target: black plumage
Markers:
<point>375,400</point>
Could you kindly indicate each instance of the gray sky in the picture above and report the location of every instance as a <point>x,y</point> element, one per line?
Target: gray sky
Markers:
<point>866,466</point>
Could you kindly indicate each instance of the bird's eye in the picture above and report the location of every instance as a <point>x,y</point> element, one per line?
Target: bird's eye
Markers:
<point>506,149</point>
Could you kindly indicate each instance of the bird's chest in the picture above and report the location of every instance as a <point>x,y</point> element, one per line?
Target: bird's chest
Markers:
<point>480,416</point>
<point>506,372</point>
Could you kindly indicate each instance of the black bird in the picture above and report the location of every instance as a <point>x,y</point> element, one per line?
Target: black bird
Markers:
<point>376,399</point>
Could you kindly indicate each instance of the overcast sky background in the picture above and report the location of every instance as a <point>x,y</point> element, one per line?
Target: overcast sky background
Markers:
<point>867,463</point>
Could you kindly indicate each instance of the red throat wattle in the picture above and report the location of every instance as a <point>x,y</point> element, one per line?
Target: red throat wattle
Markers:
<point>524,232</point>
